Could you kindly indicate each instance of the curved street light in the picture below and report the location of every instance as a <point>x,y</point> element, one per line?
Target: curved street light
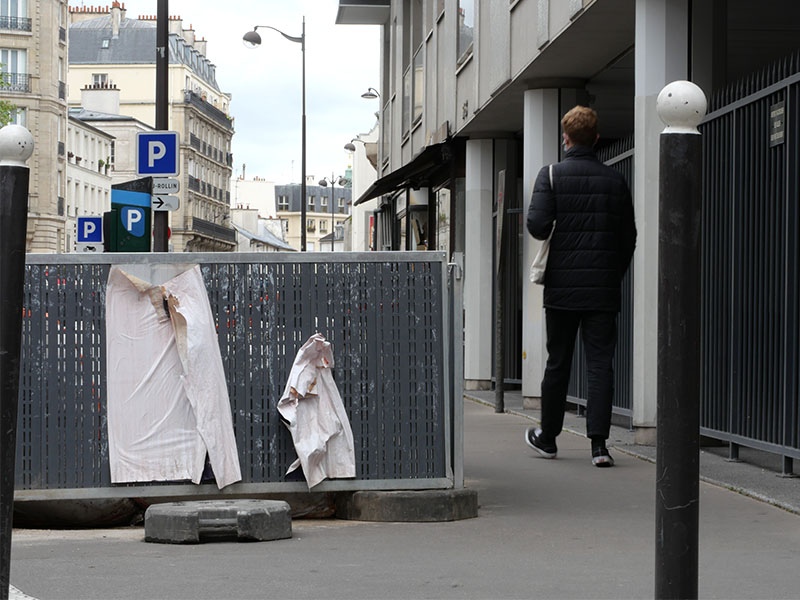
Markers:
<point>371,94</point>
<point>252,39</point>
<point>350,146</point>
<point>342,181</point>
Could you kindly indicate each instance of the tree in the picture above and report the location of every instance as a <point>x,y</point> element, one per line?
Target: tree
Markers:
<point>8,109</point>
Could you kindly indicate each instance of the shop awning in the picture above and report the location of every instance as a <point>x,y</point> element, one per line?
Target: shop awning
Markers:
<point>426,166</point>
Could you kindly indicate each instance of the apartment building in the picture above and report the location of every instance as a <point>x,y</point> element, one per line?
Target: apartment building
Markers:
<point>322,217</point>
<point>107,48</point>
<point>33,54</point>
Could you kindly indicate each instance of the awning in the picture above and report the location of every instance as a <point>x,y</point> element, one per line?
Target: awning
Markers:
<point>363,12</point>
<point>428,165</point>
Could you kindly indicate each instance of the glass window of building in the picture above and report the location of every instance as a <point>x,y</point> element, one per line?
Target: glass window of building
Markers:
<point>100,78</point>
<point>466,27</point>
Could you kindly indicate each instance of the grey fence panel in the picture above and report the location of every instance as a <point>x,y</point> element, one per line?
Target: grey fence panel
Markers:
<point>384,314</point>
<point>750,264</point>
<point>620,157</point>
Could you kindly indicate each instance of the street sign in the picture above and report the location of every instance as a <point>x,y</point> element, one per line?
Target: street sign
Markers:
<point>161,202</point>
<point>129,225</point>
<point>90,230</point>
<point>166,186</point>
<point>157,153</point>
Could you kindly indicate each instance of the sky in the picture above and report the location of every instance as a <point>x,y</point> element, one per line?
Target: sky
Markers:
<point>342,61</point>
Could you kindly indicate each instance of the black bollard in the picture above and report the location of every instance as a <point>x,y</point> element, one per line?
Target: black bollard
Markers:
<point>681,105</point>
<point>17,142</point>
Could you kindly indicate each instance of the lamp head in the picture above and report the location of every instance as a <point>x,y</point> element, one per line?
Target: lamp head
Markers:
<point>323,182</point>
<point>370,94</point>
<point>343,181</point>
<point>251,39</point>
<point>350,147</point>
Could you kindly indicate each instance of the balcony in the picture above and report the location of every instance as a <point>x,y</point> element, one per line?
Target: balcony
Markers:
<point>61,149</point>
<point>16,82</point>
<point>62,90</point>
<point>194,142</point>
<point>62,34</point>
<point>194,184</point>
<point>15,23</point>
<point>209,109</point>
<point>210,229</point>
<point>60,206</point>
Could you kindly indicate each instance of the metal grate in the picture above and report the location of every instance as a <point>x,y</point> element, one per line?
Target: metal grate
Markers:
<point>384,317</point>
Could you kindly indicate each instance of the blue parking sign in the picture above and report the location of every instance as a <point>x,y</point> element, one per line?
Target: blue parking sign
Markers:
<point>90,230</point>
<point>157,153</point>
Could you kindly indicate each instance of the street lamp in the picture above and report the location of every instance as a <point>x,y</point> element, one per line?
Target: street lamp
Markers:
<point>350,146</point>
<point>371,94</point>
<point>324,183</point>
<point>251,39</point>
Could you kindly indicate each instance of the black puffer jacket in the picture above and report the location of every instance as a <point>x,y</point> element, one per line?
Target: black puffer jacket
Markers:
<point>595,232</point>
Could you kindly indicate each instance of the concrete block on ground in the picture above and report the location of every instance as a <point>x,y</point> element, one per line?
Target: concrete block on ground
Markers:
<point>408,506</point>
<point>193,522</point>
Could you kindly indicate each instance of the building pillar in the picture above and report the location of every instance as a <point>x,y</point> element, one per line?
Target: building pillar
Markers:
<point>662,42</point>
<point>478,318</point>
<point>541,142</point>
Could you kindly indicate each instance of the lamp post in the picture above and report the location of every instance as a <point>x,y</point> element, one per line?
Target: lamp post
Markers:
<point>324,183</point>
<point>371,94</point>
<point>251,40</point>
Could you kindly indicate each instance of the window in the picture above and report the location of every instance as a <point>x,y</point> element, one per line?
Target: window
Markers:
<point>112,157</point>
<point>466,27</point>
<point>323,226</point>
<point>13,61</point>
<point>283,202</point>
<point>310,225</point>
<point>19,117</point>
<point>14,8</point>
<point>341,202</point>
<point>105,43</point>
<point>323,201</point>
<point>311,201</point>
<point>100,79</point>
<point>419,85</point>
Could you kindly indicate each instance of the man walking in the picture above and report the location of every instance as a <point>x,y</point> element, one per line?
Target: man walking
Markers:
<point>589,210</point>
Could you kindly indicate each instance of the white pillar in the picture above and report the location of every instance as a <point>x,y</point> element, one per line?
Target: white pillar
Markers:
<point>541,135</point>
<point>662,30</point>
<point>478,317</point>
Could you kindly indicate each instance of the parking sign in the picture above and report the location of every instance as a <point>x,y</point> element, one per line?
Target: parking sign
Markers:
<point>157,153</point>
<point>90,230</point>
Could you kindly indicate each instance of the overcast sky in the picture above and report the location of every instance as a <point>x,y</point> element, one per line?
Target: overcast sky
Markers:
<point>342,61</point>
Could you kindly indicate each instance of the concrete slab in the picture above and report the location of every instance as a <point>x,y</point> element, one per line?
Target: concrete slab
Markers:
<point>206,520</point>
<point>423,506</point>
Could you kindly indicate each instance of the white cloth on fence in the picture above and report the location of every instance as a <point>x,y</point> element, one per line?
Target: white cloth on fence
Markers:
<point>314,413</point>
<point>168,401</point>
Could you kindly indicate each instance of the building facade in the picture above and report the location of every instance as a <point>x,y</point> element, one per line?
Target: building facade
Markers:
<point>472,92</point>
<point>321,217</point>
<point>88,175</point>
<point>109,49</point>
<point>33,54</point>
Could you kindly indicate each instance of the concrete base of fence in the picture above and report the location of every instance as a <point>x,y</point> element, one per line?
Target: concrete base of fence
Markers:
<point>408,506</point>
<point>207,520</point>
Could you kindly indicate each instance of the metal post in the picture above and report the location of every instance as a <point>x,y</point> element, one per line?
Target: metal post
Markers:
<point>681,105</point>
<point>16,146</point>
<point>499,363</point>
<point>303,144</point>
<point>161,217</point>
<point>333,223</point>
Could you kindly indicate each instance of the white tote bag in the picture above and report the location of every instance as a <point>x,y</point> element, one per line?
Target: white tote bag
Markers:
<point>539,264</point>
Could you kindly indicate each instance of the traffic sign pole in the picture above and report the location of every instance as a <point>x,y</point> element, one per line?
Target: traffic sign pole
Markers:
<point>161,219</point>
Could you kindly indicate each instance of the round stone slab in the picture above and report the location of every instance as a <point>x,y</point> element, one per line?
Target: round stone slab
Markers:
<point>206,520</point>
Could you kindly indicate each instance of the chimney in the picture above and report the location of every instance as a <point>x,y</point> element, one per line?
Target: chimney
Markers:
<point>102,98</point>
<point>116,18</point>
<point>201,46</point>
<point>176,25</point>
<point>188,35</point>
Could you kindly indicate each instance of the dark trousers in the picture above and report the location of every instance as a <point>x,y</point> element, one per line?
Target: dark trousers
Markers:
<point>599,334</point>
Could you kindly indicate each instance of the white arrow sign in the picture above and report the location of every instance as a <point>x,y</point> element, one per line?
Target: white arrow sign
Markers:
<point>160,202</point>
<point>166,186</point>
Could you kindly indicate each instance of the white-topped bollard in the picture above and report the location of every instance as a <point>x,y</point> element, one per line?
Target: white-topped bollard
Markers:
<point>16,147</point>
<point>682,106</point>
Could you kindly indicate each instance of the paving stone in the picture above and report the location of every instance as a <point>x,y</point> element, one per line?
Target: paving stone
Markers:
<point>209,520</point>
<point>408,506</point>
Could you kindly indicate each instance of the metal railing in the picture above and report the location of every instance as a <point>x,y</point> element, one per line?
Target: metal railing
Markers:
<point>62,90</point>
<point>209,109</point>
<point>620,157</point>
<point>213,230</point>
<point>751,295</point>
<point>16,82</point>
<point>16,23</point>
<point>393,320</point>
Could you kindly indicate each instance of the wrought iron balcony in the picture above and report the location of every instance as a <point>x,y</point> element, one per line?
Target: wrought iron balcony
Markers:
<point>62,90</point>
<point>209,109</point>
<point>61,148</point>
<point>62,34</point>
<point>16,23</point>
<point>16,82</point>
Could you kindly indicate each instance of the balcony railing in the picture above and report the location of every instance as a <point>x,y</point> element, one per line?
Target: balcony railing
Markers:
<point>194,184</point>
<point>62,90</point>
<point>213,230</point>
<point>60,206</point>
<point>209,109</point>
<point>16,23</point>
<point>61,148</point>
<point>62,34</point>
<point>194,142</point>
<point>16,82</point>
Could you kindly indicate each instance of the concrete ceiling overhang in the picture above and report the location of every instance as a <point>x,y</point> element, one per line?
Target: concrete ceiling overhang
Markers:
<point>595,41</point>
<point>363,12</point>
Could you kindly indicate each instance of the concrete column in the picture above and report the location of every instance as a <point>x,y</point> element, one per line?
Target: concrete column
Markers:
<point>541,141</point>
<point>478,318</point>
<point>662,42</point>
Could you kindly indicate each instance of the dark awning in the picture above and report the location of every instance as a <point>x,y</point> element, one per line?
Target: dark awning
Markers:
<point>424,168</point>
<point>363,12</point>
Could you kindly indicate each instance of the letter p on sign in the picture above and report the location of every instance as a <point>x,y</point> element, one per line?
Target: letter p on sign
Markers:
<point>157,153</point>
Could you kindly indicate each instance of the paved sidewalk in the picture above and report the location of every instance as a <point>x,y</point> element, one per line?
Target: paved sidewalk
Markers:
<point>546,529</point>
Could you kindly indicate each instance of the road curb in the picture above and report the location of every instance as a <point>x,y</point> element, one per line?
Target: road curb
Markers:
<point>408,506</point>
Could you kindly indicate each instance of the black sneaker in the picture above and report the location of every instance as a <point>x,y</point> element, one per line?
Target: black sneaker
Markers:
<point>533,437</point>
<point>600,455</point>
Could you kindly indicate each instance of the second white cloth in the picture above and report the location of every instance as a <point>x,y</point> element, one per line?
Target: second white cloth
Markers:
<point>315,415</point>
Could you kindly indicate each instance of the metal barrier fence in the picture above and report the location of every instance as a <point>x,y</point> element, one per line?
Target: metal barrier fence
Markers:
<point>391,319</point>
<point>750,348</point>
<point>619,156</point>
